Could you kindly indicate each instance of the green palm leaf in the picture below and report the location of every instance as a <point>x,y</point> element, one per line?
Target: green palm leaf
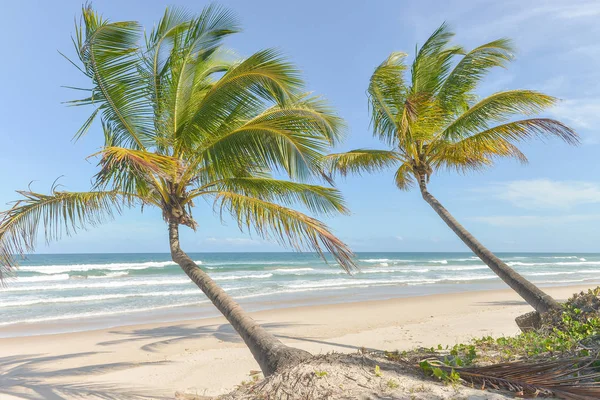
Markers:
<point>59,213</point>
<point>358,161</point>
<point>498,107</point>
<point>109,54</point>
<point>318,199</point>
<point>456,91</point>
<point>288,227</point>
<point>136,171</point>
<point>388,93</point>
<point>291,138</point>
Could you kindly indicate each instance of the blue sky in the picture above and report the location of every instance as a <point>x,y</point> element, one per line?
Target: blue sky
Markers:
<point>552,204</point>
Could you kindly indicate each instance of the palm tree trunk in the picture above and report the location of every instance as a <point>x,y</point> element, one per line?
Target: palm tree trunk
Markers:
<point>270,353</point>
<point>539,300</point>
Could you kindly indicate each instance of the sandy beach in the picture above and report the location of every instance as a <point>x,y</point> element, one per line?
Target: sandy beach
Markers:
<point>206,357</point>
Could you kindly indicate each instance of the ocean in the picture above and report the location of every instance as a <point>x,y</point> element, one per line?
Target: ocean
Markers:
<point>70,292</point>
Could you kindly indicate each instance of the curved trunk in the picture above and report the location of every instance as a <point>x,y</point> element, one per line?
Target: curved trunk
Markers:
<point>270,353</point>
<point>539,300</point>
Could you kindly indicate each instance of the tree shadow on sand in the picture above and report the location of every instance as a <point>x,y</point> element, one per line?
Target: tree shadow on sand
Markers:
<point>502,303</point>
<point>169,335</point>
<point>173,334</point>
<point>30,377</point>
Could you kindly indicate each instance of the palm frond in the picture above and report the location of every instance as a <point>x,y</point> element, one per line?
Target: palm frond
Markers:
<point>433,61</point>
<point>517,131</point>
<point>60,213</point>
<point>387,95</point>
<point>318,199</point>
<point>198,43</point>
<point>570,379</point>
<point>263,78</point>
<point>359,161</point>
<point>109,54</point>
<point>136,171</point>
<point>159,45</point>
<point>480,150</point>
<point>463,79</point>
<point>464,157</point>
<point>291,138</point>
<point>498,107</point>
<point>288,227</point>
<point>404,178</point>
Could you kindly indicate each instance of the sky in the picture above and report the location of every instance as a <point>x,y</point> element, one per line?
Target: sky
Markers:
<point>551,204</point>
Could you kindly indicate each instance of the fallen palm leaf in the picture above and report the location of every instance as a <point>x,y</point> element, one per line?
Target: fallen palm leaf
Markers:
<point>571,379</point>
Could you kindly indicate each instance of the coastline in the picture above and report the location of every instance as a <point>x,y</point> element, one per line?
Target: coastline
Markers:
<point>78,292</point>
<point>206,356</point>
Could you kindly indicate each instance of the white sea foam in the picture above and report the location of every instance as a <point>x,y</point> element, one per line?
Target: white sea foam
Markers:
<point>101,297</point>
<point>235,277</point>
<point>110,275</point>
<point>97,314</point>
<point>214,265</point>
<point>439,261</point>
<point>58,269</point>
<point>562,257</point>
<point>44,278</point>
<point>467,278</point>
<point>375,260</point>
<point>463,268</point>
<point>391,271</point>
<point>374,282</point>
<point>98,285</point>
<point>563,263</point>
<point>581,271</point>
<point>287,270</point>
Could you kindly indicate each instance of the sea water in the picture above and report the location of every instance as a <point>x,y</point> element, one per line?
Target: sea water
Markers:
<point>68,292</point>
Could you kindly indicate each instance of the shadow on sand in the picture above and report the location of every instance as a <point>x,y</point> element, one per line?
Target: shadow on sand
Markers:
<point>30,377</point>
<point>169,335</point>
<point>503,303</point>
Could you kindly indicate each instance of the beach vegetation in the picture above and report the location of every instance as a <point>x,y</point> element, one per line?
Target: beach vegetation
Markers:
<point>185,121</point>
<point>392,384</point>
<point>431,118</point>
<point>560,358</point>
<point>377,371</point>
<point>321,374</point>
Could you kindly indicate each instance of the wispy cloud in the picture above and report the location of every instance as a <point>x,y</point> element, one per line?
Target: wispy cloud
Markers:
<point>580,113</point>
<point>546,193</point>
<point>534,220</point>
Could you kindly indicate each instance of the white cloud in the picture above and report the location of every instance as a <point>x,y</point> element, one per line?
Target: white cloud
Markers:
<point>582,113</point>
<point>534,220</point>
<point>400,238</point>
<point>546,193</point>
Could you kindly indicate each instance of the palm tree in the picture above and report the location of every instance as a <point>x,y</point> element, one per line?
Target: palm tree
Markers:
<point>184,119</point>
<point>434,120</point>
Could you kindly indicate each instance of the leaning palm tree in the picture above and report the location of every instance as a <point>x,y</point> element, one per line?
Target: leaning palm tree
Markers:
<point>434,120</point>
<point>185,120</point>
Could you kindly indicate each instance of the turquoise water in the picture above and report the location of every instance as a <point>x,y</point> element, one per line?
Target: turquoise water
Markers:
<point>97,290</point>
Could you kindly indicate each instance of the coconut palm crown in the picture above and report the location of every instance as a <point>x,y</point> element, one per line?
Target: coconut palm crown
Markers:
<point>432,119</point>
<point>183,120</point>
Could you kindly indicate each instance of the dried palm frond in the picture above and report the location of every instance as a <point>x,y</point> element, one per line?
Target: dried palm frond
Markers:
<point>571,379</point>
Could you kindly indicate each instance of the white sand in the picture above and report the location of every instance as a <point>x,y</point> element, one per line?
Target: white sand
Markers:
<point>206,357</point>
